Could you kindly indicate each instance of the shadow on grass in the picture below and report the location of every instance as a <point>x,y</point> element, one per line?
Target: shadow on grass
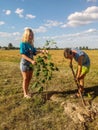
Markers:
<point>93,91</point>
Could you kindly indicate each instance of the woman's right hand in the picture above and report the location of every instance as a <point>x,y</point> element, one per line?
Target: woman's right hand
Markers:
<point>44,51</point>
<point>33,62</point>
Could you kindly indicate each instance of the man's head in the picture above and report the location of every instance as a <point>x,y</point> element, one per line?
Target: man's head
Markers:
<point>67,53</point>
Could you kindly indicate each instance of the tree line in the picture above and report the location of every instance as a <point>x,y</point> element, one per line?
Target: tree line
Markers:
<point>55,47</point>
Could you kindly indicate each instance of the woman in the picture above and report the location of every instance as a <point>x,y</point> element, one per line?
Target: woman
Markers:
<point>27,51</point>
<point>83,62</point>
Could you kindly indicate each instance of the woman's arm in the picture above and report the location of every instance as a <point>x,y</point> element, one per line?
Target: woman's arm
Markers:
<point>28,59</point>
<point>41,51</point>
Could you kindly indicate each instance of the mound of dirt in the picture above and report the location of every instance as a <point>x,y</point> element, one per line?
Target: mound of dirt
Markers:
<point>77,113</point>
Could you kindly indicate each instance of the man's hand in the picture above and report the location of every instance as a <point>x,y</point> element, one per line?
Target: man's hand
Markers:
<point>70,65</point>
<point>77,78</point>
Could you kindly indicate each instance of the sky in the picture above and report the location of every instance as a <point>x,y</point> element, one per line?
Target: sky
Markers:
<point>69,23</point>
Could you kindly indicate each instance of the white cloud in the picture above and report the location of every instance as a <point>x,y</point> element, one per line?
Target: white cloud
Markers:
<point>7,12</point>
<point>30,16</point>
<point>91,30</point>
<point>13,38</point>
<point>37,30</point>
<point>13,27</point>
<point>84,38</point>
<point>2,22</point>
<point>51,23</point>
<point>19,12</point>
<point>91,0</point>
<point>27,28</point>
<point>5,34</point>
<point>82,18</point>
<point>16,33</point>
<point>40,29</point>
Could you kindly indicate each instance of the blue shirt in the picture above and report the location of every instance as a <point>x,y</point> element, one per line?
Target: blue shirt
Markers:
<point>78,53</point>
<point>28,50</point>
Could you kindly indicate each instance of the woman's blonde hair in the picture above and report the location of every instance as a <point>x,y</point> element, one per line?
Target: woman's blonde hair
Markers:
<point>26,36</point>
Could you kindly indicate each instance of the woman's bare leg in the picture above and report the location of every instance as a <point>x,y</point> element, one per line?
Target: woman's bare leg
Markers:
<point>26,82</point>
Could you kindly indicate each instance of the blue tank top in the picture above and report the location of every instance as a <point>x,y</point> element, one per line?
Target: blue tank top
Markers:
<point>86,59</point>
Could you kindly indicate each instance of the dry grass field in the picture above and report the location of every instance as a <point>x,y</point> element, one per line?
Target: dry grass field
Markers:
<point>17,113</point>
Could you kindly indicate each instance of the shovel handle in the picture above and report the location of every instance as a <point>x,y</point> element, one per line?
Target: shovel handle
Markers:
<point>78,85</point>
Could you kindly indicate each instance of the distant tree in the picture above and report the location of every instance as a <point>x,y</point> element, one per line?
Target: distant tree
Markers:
<point>86,48</point>
<point>80,48</point>
<point>83,47</point>
<point>10,46</point>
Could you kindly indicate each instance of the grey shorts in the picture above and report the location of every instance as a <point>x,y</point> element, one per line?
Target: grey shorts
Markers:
<point>25,68</point>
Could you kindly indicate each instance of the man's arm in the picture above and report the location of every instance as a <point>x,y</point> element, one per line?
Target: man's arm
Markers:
<point>79,67</point>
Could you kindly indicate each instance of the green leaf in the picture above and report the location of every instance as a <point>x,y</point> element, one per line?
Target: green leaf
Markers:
<point>40,89</point>
<point>35,85</point>
<point>36,73</point>
<point>45,57</point>
<point>48,56</point>
<point>89,95</point>
<point>51,64</point>
<point>39,59</point>
<point>45,73</point>
<point>43,80</point>
<point>49,77</point>
<point>57,69</point>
